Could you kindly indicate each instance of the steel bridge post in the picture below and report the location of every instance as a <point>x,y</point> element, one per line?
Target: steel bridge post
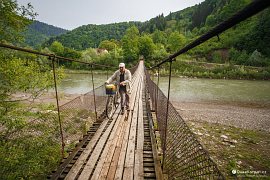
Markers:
<point>58,109</point>
<point>93,85</point>
<point>157,91</point>
<point>167,114</point>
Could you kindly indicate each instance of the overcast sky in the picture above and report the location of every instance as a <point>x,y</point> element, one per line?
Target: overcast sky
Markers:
<point>69,14</point>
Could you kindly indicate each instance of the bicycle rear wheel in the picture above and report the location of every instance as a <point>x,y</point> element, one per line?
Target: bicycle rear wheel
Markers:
<point>110,107</point>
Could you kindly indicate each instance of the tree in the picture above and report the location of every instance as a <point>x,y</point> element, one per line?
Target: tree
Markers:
<point>159,52</point>
<point>146,46</point>
<point>159,37</point>
<point>13,19</point>
<point>57,48</point>
<point>108,45</point>
<point>256,59</point>
<point>132,32</point>
<point>130,44</point>
<point>20,147</point>
<point>176,41</point>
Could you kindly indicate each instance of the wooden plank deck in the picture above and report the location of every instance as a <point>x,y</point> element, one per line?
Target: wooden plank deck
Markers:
<point>116,151</point>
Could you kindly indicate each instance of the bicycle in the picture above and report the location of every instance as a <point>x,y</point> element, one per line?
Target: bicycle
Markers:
<point>112,99</point>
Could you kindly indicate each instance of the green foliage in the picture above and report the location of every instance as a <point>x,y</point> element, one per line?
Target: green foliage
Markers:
<point>71,53</point>
<point>230,9</point>
<point>153,24</point>
<point>130,45</point>
<point>159,37</point>
<point>201,12</point>
<point>217,71</point>
<point>29,148</point>
<point>256,59</point>
<point>159,52</point>
<point>256,34</point>
<point>238,57</point>
<point>89,55</point>
<point>57,48</point>
<point>146,46</point>
<point>30,157</point>
<point>91,35</point>
<point>13,19</point>
<point>176,41</point>
<point>216,56</point>
<point>108,45</point>
<point>38,32</point>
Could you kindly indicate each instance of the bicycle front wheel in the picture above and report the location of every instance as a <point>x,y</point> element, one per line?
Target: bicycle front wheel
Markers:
<point>116,99</point>
<point>110,107</point>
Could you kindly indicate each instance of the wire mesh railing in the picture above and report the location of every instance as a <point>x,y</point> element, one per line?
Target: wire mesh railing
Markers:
<point>185,157</point>
<point>35,130</point>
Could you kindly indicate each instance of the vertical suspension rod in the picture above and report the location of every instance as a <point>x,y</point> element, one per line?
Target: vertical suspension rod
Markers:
<point>93,85</point>
<point>58,109</point>
<point>167,114</point>
<point>157,91</point>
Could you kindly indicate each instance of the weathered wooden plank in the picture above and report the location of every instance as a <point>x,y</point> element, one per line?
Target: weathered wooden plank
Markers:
<point>103,165</point>
<point>121,160</point>
<point>115,153</point>
<point>138,167</point>
<point>114,162</point>
<point>81,160</point>
<point>88,168</point>
<point>108,151</point>
<point>130,156</point>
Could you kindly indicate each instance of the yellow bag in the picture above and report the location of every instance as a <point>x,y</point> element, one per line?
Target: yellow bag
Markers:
<point>110,89</point>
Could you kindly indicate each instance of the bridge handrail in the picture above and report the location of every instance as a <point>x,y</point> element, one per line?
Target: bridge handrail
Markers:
<point>185,157</point>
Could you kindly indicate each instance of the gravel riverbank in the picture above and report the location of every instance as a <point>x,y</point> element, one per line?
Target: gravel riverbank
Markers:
<point>247,116</point>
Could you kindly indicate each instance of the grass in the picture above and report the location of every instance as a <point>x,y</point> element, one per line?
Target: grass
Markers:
<point>246,151</point>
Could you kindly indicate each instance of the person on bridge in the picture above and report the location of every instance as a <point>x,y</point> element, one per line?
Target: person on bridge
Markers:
<point>123,79</point>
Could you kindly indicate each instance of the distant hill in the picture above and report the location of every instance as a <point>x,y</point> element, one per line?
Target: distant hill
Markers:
<point>188,18</point>
<point>250,35</point>
<point>183,21</point>
<point>91,35</point>
<point>38,32</point>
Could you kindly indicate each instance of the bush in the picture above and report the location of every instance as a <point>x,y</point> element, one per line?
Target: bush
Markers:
<point>256,59</point>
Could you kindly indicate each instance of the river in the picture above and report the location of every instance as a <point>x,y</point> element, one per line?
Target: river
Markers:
<point>184,89</point>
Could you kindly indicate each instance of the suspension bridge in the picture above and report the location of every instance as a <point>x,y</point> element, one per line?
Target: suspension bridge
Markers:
<point>151,141</point>
<point>126,147</point>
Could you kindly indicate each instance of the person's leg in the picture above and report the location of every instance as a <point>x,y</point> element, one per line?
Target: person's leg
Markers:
<point>127,100</point>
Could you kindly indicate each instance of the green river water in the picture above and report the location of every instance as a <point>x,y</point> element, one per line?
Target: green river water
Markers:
<point>183,89</point>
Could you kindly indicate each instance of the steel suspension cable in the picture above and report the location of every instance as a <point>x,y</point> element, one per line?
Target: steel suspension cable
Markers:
<point>49,55</point>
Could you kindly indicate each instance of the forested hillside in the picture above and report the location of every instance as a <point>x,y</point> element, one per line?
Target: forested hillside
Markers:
<point>91,35</point>
<point>189,23</point>
<point>38,32</point>
<point>246,44</point>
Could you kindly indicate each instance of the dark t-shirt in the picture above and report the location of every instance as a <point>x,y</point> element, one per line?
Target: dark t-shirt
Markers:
<point>122,78</point>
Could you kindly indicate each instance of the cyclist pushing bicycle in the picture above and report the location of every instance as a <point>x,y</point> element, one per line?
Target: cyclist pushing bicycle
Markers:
<point>123,79</point>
